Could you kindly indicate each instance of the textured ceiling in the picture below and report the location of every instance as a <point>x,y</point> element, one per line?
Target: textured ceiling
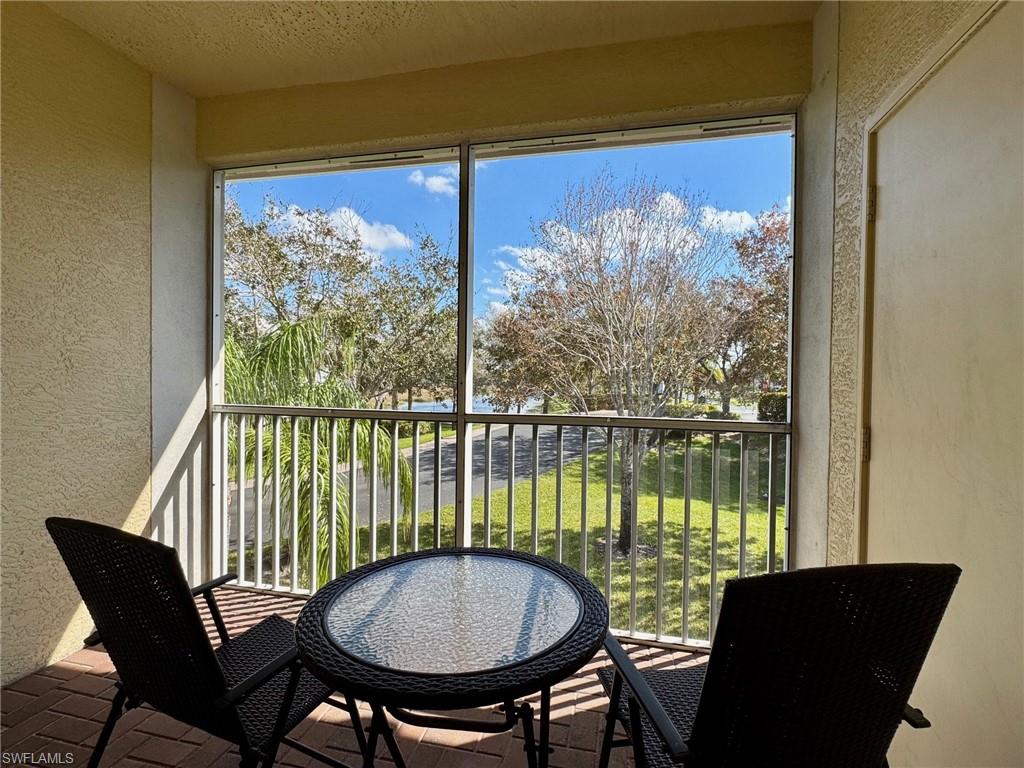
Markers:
<point>217,48</point>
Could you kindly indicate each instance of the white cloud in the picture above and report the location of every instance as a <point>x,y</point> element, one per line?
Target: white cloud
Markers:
<point>375,236</point>
<point>730,222</point>
<point>496,290</point>
<point>444,183</point>
<point>496,308</point>
<point>524,255</point>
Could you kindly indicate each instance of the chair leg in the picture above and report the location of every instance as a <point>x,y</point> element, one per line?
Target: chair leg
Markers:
<point>282,716</point>
<point>108,727</point>
<point>609,721</point>
<point>636,729</point>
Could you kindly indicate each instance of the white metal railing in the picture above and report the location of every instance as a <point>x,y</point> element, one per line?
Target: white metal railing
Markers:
<point>330,489</point>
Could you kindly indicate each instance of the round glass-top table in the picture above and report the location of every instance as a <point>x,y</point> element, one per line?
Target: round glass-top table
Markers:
<point>452,629</point>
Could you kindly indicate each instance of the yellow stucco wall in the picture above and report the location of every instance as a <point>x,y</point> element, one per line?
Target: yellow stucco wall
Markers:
<point>75,316</point>
<point>742,71</point>
<point>879,45</point>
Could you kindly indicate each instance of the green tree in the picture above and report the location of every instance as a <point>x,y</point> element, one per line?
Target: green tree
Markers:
<point>388,325</point>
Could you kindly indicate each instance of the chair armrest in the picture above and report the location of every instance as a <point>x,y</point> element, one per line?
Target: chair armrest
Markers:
<point>238,692</point>
<point>675,746</point>
<point>206,590</point>
<point>212,584</point>
<point>915,717</point>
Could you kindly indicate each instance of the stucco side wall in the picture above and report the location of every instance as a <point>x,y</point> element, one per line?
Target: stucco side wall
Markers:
<point>75,334</point>
<point>879,45</point>
<point>752,70</point>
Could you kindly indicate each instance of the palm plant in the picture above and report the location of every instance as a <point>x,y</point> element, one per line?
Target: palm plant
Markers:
<point>293,365</point>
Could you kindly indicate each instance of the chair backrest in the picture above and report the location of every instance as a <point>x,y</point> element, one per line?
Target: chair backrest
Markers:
<point>814,667</point>
<point>146,616</point>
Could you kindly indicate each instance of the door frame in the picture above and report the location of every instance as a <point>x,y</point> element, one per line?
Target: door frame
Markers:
<point>947,46</point>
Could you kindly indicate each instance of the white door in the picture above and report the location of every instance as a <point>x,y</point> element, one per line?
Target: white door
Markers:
<point>944,482</point>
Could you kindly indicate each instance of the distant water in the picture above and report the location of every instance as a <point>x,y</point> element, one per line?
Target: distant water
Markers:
<point>480,405</point>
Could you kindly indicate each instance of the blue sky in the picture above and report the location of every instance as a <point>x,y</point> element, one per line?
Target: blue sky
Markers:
<point>738,175</point>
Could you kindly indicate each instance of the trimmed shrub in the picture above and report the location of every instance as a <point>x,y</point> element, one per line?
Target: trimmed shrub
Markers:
<point>771,406</point>
<point>715,413</point>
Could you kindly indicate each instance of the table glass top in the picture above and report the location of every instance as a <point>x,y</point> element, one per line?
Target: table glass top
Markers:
<point>451,614</point>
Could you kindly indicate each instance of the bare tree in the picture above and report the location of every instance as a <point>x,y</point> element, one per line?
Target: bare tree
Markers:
<point>614,286</point>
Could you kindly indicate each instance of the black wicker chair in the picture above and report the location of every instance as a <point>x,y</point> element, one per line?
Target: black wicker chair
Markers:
<point>809,668</point>
<point>251,690</point>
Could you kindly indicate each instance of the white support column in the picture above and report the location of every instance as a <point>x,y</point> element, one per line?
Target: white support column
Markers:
<point>215,377</point>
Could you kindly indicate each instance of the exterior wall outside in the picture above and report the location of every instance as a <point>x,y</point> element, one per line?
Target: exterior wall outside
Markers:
<point>180,296</point>
<point>752,70</point>
<point>879,45</point>
<point>76,335</point>
<point>812,285</point>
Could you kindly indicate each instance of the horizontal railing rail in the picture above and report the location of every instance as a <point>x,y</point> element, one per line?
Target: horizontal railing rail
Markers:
<point>544,419</point>
<point>657,512</point>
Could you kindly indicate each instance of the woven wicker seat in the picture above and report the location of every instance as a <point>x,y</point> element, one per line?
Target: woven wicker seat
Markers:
<point>679,692</point>
<point>809,668</point>
<point>251,691</point>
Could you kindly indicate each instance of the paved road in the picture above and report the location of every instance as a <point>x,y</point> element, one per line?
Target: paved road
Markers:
<point>547,451</point>
<point>547,459</point>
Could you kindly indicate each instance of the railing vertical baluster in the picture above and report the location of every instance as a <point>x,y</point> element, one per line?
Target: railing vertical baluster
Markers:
<point>258,499</point>
<point>609,483</point>
<point>534,491</point>
<point>372,484</point>
<point>659,583</point>
<point>249,426</point>
<point>394,487</point>
<point>242,424</point>
<point>437,484</point>
<point>687,496</point>
<point>772,503</point>
<point>353,487</point>
<point>415,486</point>
<point>293,551</point>
<point>744,483</point>
<point>314,500</point>
<point>558,493</point>
<point>487,485</point>
<point>225,522</point>
<point>275,577</point>
<point>584,489</point>
<point>510,487</point>
<point>716,455</point>
<point>332,527</point>
<point>634,534</point>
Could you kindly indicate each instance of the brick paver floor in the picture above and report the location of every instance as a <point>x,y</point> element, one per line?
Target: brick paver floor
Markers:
<point>61,708</point>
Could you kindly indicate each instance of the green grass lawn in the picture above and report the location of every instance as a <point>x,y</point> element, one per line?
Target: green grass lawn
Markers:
<point>647,523</point>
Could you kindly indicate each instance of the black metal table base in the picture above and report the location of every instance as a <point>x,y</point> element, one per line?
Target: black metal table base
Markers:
<point>537,751</point>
